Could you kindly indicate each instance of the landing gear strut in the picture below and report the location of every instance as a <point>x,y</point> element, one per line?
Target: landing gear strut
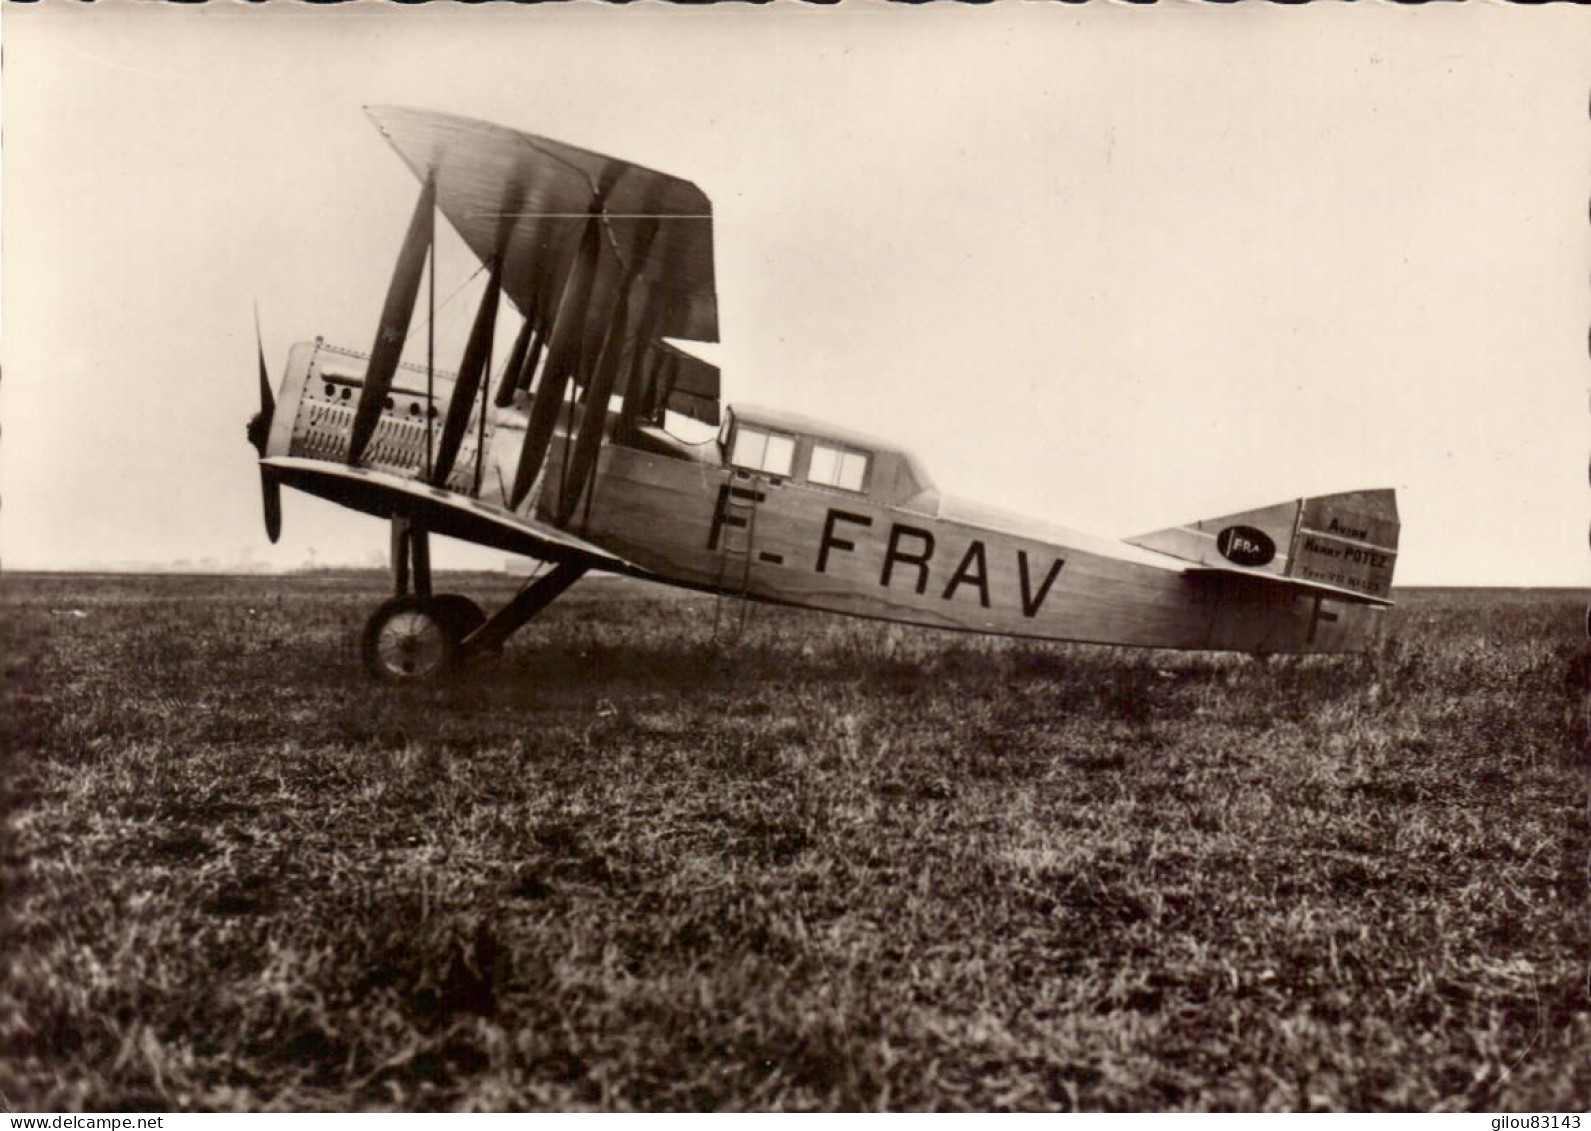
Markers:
<point>420,636</point>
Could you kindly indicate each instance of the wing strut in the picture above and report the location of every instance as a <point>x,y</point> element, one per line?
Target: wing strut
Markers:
<point>587,443</point>
<point>509,382</point>
<point>430,365</point>
<point>476,352</point>
<point>562,356</point>
<point>602,336</point>
<point>395,316</point>
<point>635,381</point>
<point>538,348</point>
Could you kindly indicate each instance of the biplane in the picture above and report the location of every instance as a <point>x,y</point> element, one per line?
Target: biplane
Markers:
<point>570,452</point>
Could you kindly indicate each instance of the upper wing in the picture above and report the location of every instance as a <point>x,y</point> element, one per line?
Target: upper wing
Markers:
<point>523,201</point>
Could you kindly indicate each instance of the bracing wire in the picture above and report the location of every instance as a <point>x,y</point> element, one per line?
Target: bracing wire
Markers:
<point>455,294</point>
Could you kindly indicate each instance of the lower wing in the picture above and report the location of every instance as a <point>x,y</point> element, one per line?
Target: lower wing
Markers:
<point>442,512</point>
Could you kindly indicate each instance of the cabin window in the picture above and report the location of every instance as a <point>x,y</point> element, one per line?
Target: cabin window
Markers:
<point>768,452</point>
<point>837,467</point>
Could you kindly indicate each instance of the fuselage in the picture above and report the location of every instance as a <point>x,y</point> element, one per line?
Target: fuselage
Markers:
<point>784,539</point>
<point>783,509</point>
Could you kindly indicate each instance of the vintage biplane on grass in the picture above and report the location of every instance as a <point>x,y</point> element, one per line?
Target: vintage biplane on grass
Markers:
<point>565,453</point>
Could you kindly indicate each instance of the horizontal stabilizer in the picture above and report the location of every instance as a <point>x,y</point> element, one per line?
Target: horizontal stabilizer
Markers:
<point>1343,546</point>
<point>1215,574</point>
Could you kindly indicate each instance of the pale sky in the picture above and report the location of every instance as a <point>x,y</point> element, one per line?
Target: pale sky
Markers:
<point>1114,267</point>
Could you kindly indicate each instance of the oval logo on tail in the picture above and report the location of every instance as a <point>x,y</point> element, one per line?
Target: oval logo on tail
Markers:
<point>1245,546</point>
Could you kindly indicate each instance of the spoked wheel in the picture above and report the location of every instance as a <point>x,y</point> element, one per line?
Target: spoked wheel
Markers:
<point>409,640</point>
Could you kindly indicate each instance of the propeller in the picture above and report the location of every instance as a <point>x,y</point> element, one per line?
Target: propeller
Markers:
<point>259,434</point>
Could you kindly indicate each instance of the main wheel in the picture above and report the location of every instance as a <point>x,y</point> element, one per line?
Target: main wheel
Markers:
<point>461,615</point>
<point>408,640</point>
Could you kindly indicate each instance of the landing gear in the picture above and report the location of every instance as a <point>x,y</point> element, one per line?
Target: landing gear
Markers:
<point>408,640</point>
<point>421,637</point>
<point>414,639</point>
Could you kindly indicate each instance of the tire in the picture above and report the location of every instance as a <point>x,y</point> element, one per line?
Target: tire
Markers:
<point>408,640</point>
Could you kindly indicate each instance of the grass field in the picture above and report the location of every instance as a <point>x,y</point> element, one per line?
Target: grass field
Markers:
<point>842,866</point>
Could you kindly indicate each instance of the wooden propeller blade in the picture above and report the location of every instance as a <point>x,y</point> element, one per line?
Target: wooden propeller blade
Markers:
<point>271,495</point>
<point>259,431</point>
<point>471,372</point>
<point>267,401</point>
<point>259,435</point>
<point>395,315</point>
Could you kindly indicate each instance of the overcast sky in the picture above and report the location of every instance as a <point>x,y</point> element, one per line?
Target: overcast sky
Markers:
<point>1113,267</point>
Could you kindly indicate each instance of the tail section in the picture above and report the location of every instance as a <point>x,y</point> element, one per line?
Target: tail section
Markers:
<point>1344,546</point>
<point>1348,540</point>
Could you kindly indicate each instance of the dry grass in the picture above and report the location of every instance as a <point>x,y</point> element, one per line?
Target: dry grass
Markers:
<point>847,867</point>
